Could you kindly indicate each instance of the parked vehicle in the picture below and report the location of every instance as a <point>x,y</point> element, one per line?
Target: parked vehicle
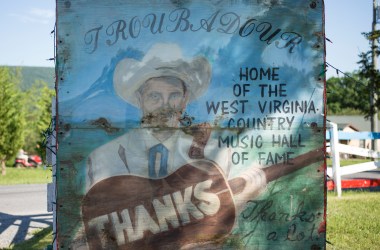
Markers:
<point>25,161</point>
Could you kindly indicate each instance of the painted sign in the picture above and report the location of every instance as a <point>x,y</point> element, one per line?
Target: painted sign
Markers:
<point>190,124</point>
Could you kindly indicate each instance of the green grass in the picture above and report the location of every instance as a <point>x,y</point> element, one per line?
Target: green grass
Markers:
<point>346,162</point>
<point>40,240</point>
<point>353,221</point>
<point>26,176</point>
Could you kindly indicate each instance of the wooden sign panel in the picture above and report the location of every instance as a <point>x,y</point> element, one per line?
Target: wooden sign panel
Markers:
<point>190,124</point>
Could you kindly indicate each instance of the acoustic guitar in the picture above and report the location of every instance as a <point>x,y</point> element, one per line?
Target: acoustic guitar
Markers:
<point>193,206</point>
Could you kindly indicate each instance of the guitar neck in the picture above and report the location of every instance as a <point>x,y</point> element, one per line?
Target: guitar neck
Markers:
<point>273,172</point>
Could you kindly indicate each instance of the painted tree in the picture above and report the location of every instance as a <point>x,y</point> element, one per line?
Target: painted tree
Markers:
<point>12,119</point>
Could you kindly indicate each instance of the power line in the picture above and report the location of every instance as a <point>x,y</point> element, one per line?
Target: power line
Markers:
<point>345,74</point>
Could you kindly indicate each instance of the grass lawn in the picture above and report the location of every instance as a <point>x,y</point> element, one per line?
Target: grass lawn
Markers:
<point>26,176</point>
<point>346,162</point>
<point>40,241</point>
<point>353,222</point>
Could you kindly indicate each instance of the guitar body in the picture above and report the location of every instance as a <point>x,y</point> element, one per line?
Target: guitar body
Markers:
<point>192,206</point>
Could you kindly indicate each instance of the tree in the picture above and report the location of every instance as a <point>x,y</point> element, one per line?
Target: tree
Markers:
<point>352,94</point>
<point>370,74</point>
<point>12,119</point>
<point>347,95</point>
<point>38,112</point>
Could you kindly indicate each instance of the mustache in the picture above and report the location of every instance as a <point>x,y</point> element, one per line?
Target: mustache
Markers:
<point>161,116</point>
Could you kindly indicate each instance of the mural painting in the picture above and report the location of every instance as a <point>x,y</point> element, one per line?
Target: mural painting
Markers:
<point>190,124</point>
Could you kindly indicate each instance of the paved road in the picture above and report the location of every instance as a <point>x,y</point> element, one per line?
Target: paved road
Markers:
<point>22,210</point>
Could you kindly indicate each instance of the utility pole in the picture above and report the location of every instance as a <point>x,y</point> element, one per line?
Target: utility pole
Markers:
<point>374,117</point>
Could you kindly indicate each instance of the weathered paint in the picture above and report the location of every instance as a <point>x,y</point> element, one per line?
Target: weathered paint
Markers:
<point>231,157</point>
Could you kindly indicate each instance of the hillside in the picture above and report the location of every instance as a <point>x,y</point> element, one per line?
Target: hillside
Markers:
<point>31,74</point>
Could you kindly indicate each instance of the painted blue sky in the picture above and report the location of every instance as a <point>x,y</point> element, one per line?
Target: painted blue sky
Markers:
<point>87,88</point>
<point>25,28</point>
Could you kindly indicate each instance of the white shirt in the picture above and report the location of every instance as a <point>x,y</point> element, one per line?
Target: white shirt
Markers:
<point>107,160</point>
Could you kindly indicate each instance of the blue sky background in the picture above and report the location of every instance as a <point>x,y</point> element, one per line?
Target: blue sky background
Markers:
<point>25,27</point>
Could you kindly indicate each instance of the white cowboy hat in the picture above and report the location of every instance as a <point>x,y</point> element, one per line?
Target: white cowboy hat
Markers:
<point>161,60</point>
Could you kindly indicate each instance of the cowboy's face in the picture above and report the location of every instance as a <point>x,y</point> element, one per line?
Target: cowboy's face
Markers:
<point>162,101</point>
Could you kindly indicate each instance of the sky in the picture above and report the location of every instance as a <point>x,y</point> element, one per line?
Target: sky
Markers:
<point>26,39</point>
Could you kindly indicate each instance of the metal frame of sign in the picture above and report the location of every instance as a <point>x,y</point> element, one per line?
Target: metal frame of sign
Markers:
<point>190,124</point>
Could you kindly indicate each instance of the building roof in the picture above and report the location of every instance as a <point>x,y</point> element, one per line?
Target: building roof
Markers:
<point>355,121</point>
<point>342,126</point>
